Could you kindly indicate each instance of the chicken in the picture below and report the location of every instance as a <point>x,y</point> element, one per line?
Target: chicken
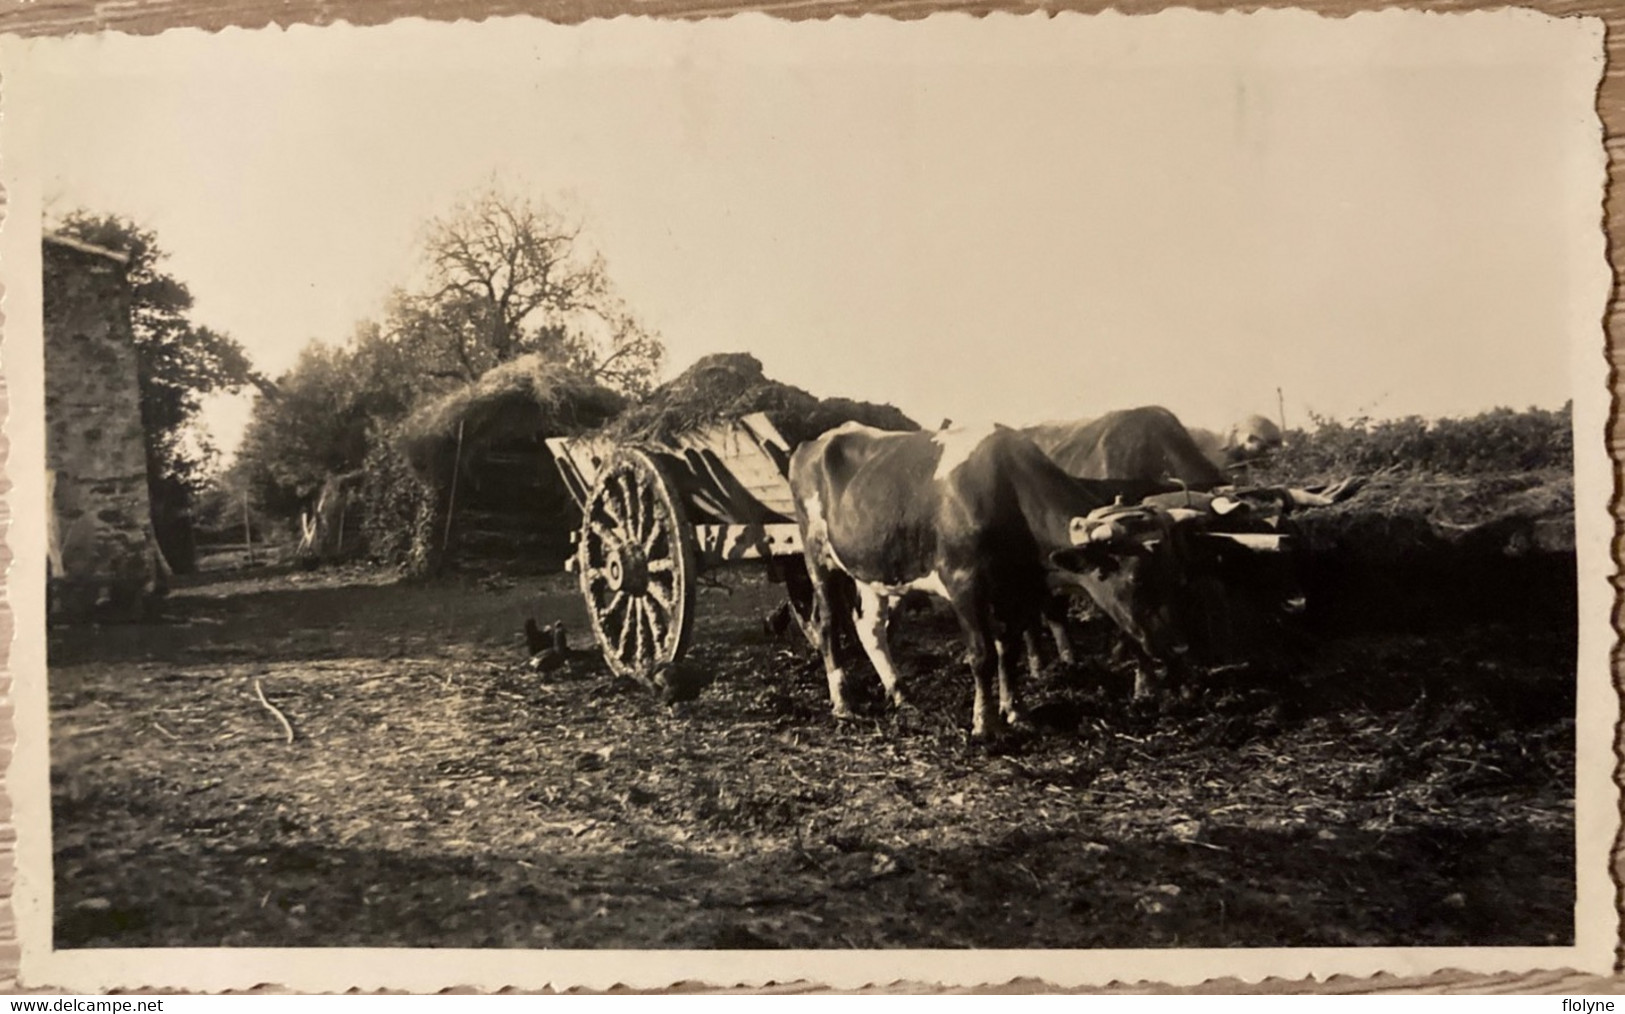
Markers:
<point>549,646</point>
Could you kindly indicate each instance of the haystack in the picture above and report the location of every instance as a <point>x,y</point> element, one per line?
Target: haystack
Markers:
<point>523,400</point>
<point>468,477</point>
<point>730,385</point>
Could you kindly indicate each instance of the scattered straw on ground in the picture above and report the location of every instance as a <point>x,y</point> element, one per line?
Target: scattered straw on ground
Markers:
<point>1393,790</point>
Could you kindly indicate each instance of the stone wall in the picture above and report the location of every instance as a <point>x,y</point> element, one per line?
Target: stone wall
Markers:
<point>104,562</point>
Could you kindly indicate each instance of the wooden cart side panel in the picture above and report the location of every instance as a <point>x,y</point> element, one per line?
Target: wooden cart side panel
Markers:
<point>750,458</point>
<point>579,460</point>
<point>571,475</point>
<point>730,473</point>
<point>720,544</point>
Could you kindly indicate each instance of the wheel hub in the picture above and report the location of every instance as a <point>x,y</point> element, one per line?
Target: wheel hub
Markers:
<point>627,568</point>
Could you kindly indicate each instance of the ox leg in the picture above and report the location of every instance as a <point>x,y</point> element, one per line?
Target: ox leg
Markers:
<point>820,628</point>
<point>1151,676</point>
<point>1008,646</point>
<point>985,720</point>
<point>872,619</point>
<point>1055,620</point>
<point>1029,640</point>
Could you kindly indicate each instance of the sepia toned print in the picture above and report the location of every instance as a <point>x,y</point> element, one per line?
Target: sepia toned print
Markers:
<point>1090,498</point>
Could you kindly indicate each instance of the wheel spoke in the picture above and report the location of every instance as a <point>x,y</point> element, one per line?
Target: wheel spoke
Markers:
<point>615,510</point>
<point>661,566</point>
<point>647,616</point>
<point>604,529</point>
<point>660,602</point>
<point>639,640</point>
<point>615,603</point>
<point>628,496</point>
<point>596,574</point>
<point>629,506</point>
<point>608,537</point>
<point>651,534</point>
<point>658,610</point>
<point>648,513</point>
<point>626,629</point>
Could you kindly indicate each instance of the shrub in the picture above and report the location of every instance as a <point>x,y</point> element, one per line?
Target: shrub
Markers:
<point>401,515</point>
<point>1497,441</point>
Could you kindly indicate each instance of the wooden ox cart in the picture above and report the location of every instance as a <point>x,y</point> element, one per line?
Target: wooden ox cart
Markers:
<point>656,516</point>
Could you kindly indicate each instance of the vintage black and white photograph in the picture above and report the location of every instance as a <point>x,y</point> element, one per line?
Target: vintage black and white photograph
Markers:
<point>1060,485</point>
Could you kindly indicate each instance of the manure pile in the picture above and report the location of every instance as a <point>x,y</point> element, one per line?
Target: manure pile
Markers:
<point>1413,550</point>
<point>728,386</point>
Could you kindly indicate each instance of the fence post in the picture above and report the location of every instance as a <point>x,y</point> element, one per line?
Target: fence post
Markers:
<point>248,530</point>
<point>451,497</point>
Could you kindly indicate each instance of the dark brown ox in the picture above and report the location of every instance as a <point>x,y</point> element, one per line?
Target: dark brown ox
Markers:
<point>1151,443</point>
<point>987,522</point>
<point>1148,446</point>
<point>1148,450</point>
<point>1153,458</point>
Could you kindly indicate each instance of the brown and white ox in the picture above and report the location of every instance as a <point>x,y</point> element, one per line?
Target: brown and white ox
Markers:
<point>989,523</point>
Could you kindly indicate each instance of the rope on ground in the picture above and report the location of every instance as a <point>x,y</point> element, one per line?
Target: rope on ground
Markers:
<point>272,708</point>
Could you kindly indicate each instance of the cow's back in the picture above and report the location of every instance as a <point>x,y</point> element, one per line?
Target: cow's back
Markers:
<point>1147,444</point>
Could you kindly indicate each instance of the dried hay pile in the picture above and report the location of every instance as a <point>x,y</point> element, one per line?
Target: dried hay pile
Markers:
<point>489,434</point>
<point>730,385</point>
<point>527,398</point>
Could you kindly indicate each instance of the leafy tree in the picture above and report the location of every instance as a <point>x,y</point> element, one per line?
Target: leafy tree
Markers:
<point>178,362</point>
<point>323,417</point>
<point>506,276</point>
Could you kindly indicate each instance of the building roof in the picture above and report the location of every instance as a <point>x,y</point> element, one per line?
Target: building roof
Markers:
<point>57,239</point>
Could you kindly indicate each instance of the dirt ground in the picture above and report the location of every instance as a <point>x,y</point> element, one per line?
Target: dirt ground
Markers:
<point>1387,789</point>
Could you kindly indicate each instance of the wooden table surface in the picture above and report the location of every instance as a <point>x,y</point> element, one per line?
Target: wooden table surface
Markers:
<point>145,17</point>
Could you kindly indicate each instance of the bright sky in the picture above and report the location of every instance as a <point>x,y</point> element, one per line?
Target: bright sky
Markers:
<point>1012,220</point>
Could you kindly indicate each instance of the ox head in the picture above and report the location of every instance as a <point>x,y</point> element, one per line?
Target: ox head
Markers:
<point>1251,439</point>
<point>1174,578</point>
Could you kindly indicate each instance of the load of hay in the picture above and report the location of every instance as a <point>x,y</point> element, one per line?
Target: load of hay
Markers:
<point>467,474</point>
<point>728,386</point>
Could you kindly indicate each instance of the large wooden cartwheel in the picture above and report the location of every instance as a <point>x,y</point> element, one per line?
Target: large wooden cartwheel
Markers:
<point>636,562</point>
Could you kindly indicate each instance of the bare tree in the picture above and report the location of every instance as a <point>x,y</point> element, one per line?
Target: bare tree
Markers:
<point>506,276</point>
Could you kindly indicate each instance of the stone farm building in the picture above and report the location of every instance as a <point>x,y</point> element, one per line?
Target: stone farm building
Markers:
<point>104,562</point>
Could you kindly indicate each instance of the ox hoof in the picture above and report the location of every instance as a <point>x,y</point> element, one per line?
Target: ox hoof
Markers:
<point>842,713</point>
<point>1018,721</point>
<point>986,733</point>
<point>1148,706</point>
<point>900,701</point>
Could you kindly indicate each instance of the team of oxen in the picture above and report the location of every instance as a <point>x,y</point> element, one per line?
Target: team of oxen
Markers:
<point>1128,511</point>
